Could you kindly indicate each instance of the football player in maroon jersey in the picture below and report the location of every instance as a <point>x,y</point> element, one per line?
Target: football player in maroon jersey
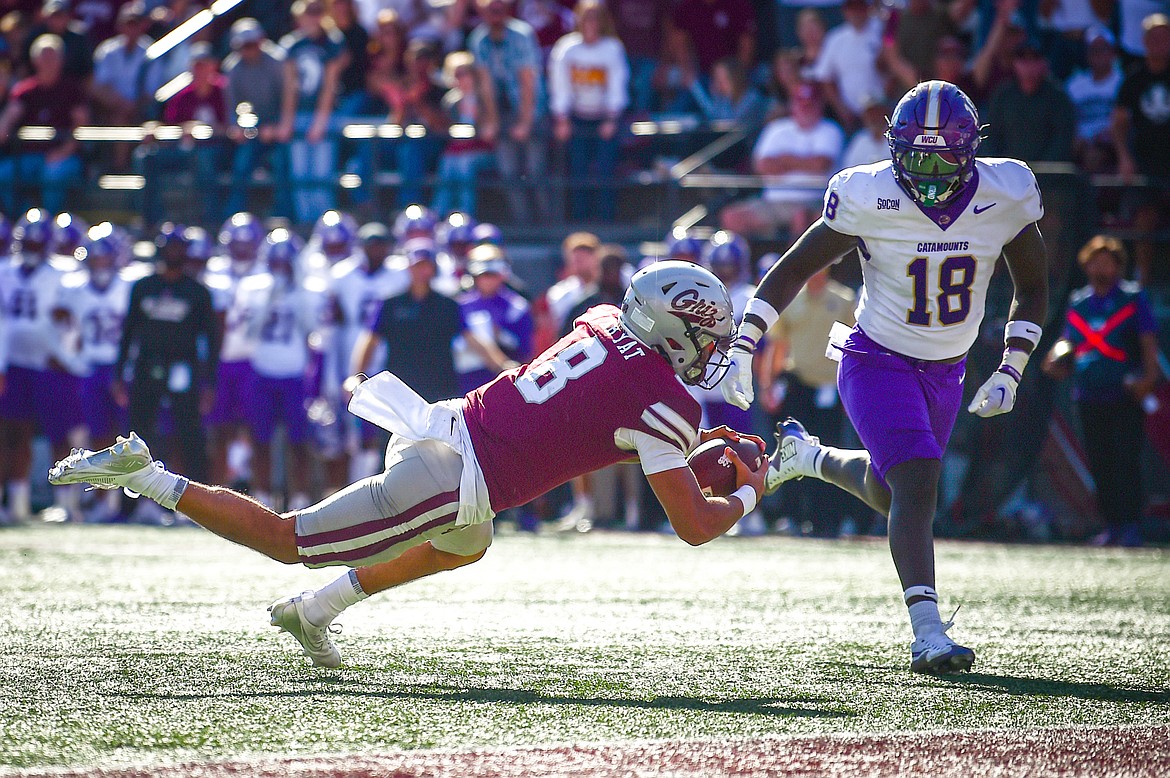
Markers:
<point>612,389</point>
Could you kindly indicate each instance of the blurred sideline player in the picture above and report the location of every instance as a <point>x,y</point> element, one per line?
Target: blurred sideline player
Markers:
<point>239,239</point>
<point>30,300</point>
<point>495,313</point>
<point>607,392</point>
<point>283,312</point>
<point>97,298</point>
<point>929,226</point>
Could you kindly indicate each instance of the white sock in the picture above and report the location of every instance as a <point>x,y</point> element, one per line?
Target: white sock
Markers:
<point>331,599</point>
<point>20,500</point>
<point>159,484</point>
<point>924,618</point>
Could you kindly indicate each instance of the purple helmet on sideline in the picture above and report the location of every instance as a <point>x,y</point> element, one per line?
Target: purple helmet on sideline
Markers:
<point>486,232</point>
<point>933,134</point>
<point>684,244</point>
<point>458,233</point>
<point>336,232</point>
<point>727,249</point>
<point>69,233</point>
<point>32,235</point>
<point>415,221</point>
<point>100,253</point>
<point>280,252</point>
<point>200,248</point>
<point>5,235</point>
<point>241,236</point>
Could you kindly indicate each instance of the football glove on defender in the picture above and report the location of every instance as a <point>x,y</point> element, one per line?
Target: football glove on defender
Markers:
<point>737,384</point>
<point>998,393</point>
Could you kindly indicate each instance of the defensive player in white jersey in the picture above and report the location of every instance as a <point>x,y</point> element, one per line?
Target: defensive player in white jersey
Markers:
<point>610,390</point>
<point>283,313</point>
<point>929,225</point>
<point>360,285</point>
<point>97,298</point>
<point>40,394</point>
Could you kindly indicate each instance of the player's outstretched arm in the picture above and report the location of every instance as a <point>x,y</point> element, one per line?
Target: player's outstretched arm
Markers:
<point>819,247</point>
<point>697,518</point>
<point>1027,262</point>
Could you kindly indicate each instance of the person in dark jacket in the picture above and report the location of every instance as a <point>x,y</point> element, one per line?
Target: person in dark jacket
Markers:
<point>170,347</point>
<point>1109,347</point>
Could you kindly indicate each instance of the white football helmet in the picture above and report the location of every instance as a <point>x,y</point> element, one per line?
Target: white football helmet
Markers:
<point>684,312</point>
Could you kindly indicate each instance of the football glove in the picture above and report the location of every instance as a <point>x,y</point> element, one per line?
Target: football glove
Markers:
<point>737,383</point>
<point>998,393</point>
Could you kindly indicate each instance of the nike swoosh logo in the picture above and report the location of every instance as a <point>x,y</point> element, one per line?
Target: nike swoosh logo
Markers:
<point>979,210</point>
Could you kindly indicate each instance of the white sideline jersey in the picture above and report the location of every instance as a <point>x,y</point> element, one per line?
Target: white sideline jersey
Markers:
<point>926,283</point>
<point>98,315</point>
<point>281,323</point>
<point>359,296</point>
<point>237,341</point>
<point>28,299</point>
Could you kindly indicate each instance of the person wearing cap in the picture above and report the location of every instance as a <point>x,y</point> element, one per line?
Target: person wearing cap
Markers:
<point>1140,128</point>
<point>316,59</point>
<point>1030,116</point>
<point>261,100</point>
<point>57,19</point>
<point>847,69</point>
<point>1093,91</point>
<point>797,154</point>
<point>417,329</point>
<point>203,103</point>
<point>47,97</point>
<point>119,84</point>
<point>495,313</point>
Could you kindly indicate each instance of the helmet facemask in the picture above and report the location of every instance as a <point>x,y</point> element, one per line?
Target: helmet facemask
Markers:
<point>932,175</point>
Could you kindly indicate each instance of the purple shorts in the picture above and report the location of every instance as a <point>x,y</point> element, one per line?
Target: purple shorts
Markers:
<point>49,399</point>
<point>902,408</point>
<point>275,401</point>
<point>232,390</point>
<point>103,416</point>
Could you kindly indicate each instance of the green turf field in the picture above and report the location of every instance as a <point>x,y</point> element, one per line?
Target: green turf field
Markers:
<point>136,645</point>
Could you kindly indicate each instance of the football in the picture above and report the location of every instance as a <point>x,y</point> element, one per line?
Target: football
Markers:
<point>714,470</point>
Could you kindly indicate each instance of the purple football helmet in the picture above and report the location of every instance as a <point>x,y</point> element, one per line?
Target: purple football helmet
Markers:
<point>415,221</point>
<point>200,248</point>
<point>727,250</point>
<point>32,235</point>
<point>280,252</point>
<point>241,235</point>
<point>69,233</point>
<point>933,135</point>
<point>458,233</point>
<point>487,233</point>
<point>684,244</point>
<point>100,253</point>
<point>335,231</point>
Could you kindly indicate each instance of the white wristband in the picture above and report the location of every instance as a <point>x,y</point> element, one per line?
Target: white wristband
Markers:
<point>757,306</point>
<point>1024,330</point>
<point>746,495</point>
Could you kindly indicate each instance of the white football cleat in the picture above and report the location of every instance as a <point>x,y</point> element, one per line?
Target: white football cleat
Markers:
<point>795,456</point>
<point>289,615</point>
<point>109,468</point>
<point>937,654</point>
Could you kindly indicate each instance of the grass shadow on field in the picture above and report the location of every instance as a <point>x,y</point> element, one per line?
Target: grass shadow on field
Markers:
<point>759,706</point>
<point>1044,687</point>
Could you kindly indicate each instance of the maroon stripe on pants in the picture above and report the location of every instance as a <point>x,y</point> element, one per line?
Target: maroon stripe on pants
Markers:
<point>376,548</point>
<point>377,525</point>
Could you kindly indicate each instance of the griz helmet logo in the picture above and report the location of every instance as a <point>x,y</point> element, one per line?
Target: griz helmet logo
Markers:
<point>688,305</point>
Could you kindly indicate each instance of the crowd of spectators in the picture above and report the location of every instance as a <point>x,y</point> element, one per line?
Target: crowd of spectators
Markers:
<point>539,89</point>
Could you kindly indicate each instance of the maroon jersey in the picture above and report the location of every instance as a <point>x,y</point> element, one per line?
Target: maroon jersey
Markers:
<point>555,418</point>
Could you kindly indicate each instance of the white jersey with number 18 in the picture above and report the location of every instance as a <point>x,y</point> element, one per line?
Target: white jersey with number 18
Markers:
<point>926,276</point>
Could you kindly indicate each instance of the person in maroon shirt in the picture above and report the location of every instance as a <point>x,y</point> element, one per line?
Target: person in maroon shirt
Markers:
<point>46,99</point>
<point>200,108</point>
<point>706,31</point>
<point>609,391</point>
